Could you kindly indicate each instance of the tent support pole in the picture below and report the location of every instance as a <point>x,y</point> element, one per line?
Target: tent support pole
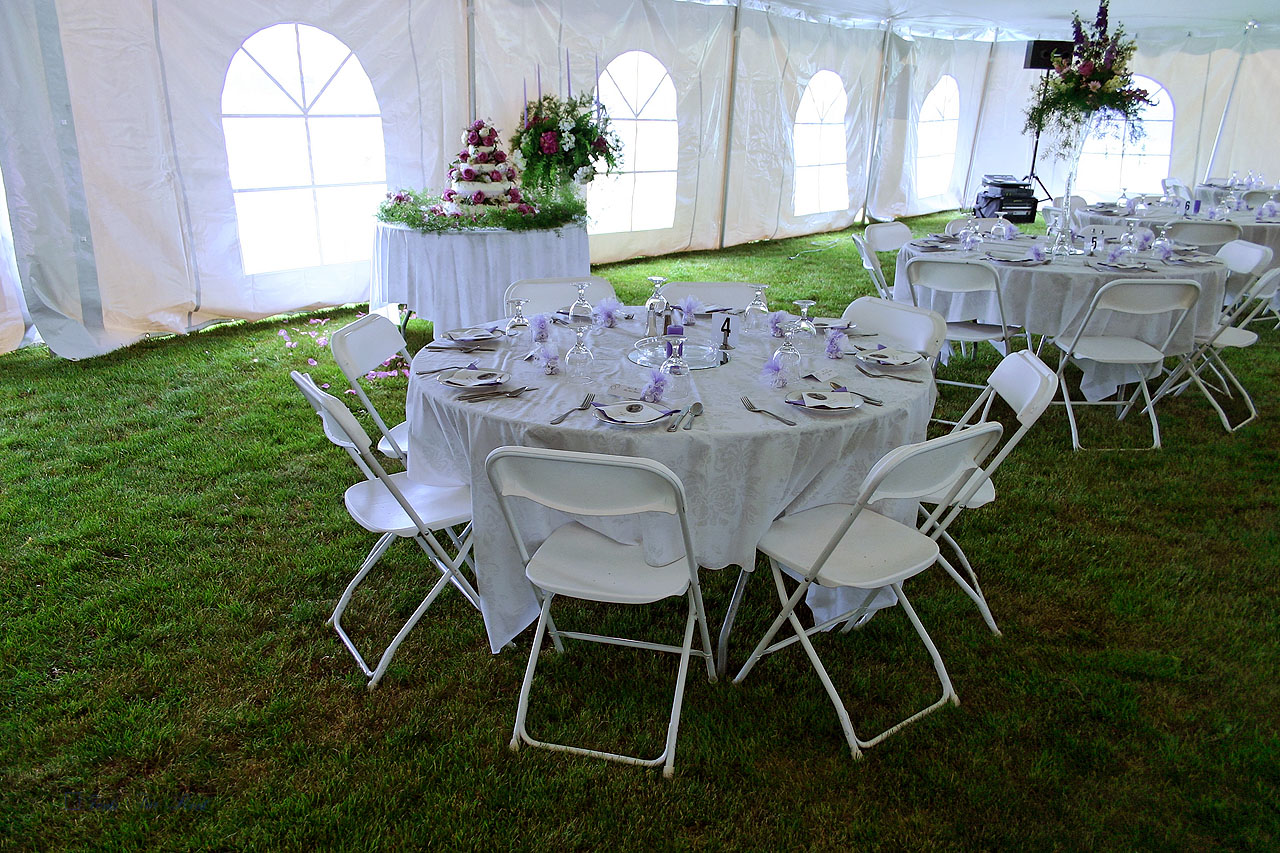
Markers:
<point>873,159</point>
<point>1231,94</point>
<point>471,59</point>
<point>977,124</point>
<point>728,123</point>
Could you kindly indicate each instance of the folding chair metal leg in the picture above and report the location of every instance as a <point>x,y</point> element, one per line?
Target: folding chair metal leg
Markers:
<point>722,647</point>
<point>385,660</point>
<point>1071,415</point>
<point>973,592</point>
<point>842,713</point>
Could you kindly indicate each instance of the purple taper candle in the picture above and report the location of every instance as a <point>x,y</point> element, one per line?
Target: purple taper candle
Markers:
<point>539,84</point>
<point>525,87</point>
<point>568,74</point>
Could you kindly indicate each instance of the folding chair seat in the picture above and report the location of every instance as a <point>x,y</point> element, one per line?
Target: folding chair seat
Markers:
<point>730,294</point>
<point>361,347</point>
<point>395,507</point>
<point>578,562</point>
<point>1229,333</point>
<point>1026,385</point>
<point>1091,341</point>
<point>898,324</point>
<point>1266,301</point>
<point>548,295</point>
<point>1205,235</point>
<point>852,545</point>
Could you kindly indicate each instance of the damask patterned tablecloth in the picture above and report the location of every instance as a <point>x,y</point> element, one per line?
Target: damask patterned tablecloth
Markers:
<point>1051,299</point>
<point>458,278</point>
<point>740,470</point>
<point>1262,233</point>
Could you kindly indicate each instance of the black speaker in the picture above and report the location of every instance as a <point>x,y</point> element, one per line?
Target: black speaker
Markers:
<point>1040,54</point>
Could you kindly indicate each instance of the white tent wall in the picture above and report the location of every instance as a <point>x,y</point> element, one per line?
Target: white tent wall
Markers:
<point>1001,148</point>
<point>915,66</point>
<point>692,41</point>
<point>15,323</point>
<point>777,57</point>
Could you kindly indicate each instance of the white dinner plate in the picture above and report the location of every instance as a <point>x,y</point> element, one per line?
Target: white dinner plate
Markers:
<point>632,413</point>
<point>1010,257</point>
<point>465,377</point>
<point>889,357</point>
<point>825,402</point>
<point>472,335</point>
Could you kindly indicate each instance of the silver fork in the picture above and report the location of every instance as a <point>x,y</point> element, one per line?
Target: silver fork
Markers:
<point>866,372</point>
<point>586,401</point>
<point>751,407</point>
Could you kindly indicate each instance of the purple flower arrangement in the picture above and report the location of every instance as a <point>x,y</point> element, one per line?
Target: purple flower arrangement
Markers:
<point>772,374</point>
<point>1143,238</point>
<point>689,307</point>
<point>549,360</point>
<point>1036,252</point>
<point>607,312</point>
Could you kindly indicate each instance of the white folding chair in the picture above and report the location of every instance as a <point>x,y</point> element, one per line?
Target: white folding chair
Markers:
<point>1229,333</point>
<point>1203,234</point>
<point>1176,188</point>
<point>1267,301</point>
<point>1246,261</point>
<point>852,545</point>
<point>1139,298</point>
<point>730,294</point>
<point>395,507</point>
<point>871,263</point>
<point>361,347</point>
<point>1026,385</point>
<point>886,236</point>
<point>1253,198</point>
<point>578,562</point>
<point>958,278</point>
<point>955,226</point>
<point>898,324</point>
<point>548,295</point>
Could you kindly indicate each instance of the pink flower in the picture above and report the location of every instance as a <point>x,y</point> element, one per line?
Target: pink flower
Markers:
<point>483,157</point>
<point>322,342</point>
<point>550,142</point>
<point>478,198</point>
<point>312,362</point>
<point>449,195</point>
<point>1094,85</point>
<point>526,209</point>
<point>467,173</point>
<point>478,124</point>
<point>601,144</point>
<point>514,194</point>
<point>1086,68</point>
<point>473,138</point>
<point>499,156</point>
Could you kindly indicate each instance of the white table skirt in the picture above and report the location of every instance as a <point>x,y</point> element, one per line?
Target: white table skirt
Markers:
<point>740,470</point>
<point>1051,299</point>
<point>458,278</point>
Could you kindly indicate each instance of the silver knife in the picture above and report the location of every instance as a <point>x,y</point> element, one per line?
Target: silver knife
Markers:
<point>675,422</point>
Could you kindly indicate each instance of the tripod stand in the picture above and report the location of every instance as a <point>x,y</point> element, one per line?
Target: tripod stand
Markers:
<point>1035,148</point>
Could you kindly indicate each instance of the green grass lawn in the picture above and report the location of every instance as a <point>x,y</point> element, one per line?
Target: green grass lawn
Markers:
<point>172,538</point>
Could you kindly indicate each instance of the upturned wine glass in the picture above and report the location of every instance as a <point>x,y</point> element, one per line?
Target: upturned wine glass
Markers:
<point>675,369</point>
<point>787,355</point>
<point>757,311</point>
<point>578,358</point>
<point>580,311</point>
<point>517,320</point>
<point>806,331</point>
<point>657,301</point>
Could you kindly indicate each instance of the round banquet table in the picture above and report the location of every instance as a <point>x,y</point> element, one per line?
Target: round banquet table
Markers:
<point>740,470</point>
<point>1263,233</point>
<point>1212,192</point>
<point>1052,298</point>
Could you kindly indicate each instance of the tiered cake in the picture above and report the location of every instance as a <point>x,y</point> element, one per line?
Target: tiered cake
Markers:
<point>481,175</point>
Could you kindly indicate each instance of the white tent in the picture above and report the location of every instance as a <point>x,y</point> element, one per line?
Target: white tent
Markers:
<point>118,135</point>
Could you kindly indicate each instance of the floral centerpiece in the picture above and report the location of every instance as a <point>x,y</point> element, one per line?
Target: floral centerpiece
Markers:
<point>1091,88</point>
<point>1094,81</point>
<point>563,140</point>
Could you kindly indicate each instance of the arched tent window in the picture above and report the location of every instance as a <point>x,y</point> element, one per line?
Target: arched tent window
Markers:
<point>822,160</point>
<point>637,91</point>
<point>936,134</point>
<point>1110,162</point>
<point>304,150</point>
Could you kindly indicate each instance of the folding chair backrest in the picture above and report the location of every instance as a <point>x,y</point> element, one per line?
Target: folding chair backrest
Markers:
<point>952,276</point>
<point>1175,187</point>
<point>955,226</point>
<point>1025,383</point>
<point>547,295</point>
<point>1244,257</point>
<point>886,236</point>
<point>1253,198</point>
<point>871,264</point>
<point>915,470</point>
<point>1145,296</point>
<point>731,294</point>
<point>591,484</point>
<point>897,324</point>
<point>1077,201</point>
<point>340,426</point>
<point>364,345</point>
<point>1204,233</point>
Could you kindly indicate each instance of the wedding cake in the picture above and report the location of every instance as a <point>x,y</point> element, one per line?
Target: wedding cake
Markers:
<point>481,176</point>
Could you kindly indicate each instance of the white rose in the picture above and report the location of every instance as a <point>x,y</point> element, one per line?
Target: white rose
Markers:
<point>566,141</point>
<point>566,124</point>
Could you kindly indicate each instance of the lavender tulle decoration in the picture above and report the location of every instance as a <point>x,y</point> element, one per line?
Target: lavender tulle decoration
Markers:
<point>835,349</point>
<point>1010,231</point>
<point>1115,254</point>
<point>1143,238</point>
<point>776,319</point>
<point>689,306</point>
<point>607,313</point>
<point>540,327</point>
<point>772,373</point>
<point>657,384</point>
<point>1036,252</point>
<point>1162,253</point>
<point>549,360</point>
<point>1266,211</point>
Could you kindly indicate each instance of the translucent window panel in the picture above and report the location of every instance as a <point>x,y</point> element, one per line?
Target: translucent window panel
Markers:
<point>611,96</point>
<point>656,148</point>
<point>662,102</point>
<point>248,90</point>
<point>609,204</point>
<point>276,50</point>
<point>807,193</point>
<point>1111,162</point>
<point>346,216</point>
<point>322,55</point>
<point>1143,174</point>
<point>267,152</point>
<point>1159,137</point>
<point>833,187</point>
<point>348,93</point>
<point>277,230</point>
<point>933,175</point>
<point>626,131</point>
<point>655,201</point>
<point>808,142</point>
<point>831,145</point>
<point>936,139</point>
<point>347,150</point>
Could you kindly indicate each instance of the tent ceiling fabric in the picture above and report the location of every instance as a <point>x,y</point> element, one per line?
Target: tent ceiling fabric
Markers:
<point>124,217</point>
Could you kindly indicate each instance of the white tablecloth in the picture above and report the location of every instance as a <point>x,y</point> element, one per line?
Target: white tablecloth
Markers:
<point>740,470</point>
<point>458,278</point>
<point>1051,299</point>
<point>1262,233</point>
